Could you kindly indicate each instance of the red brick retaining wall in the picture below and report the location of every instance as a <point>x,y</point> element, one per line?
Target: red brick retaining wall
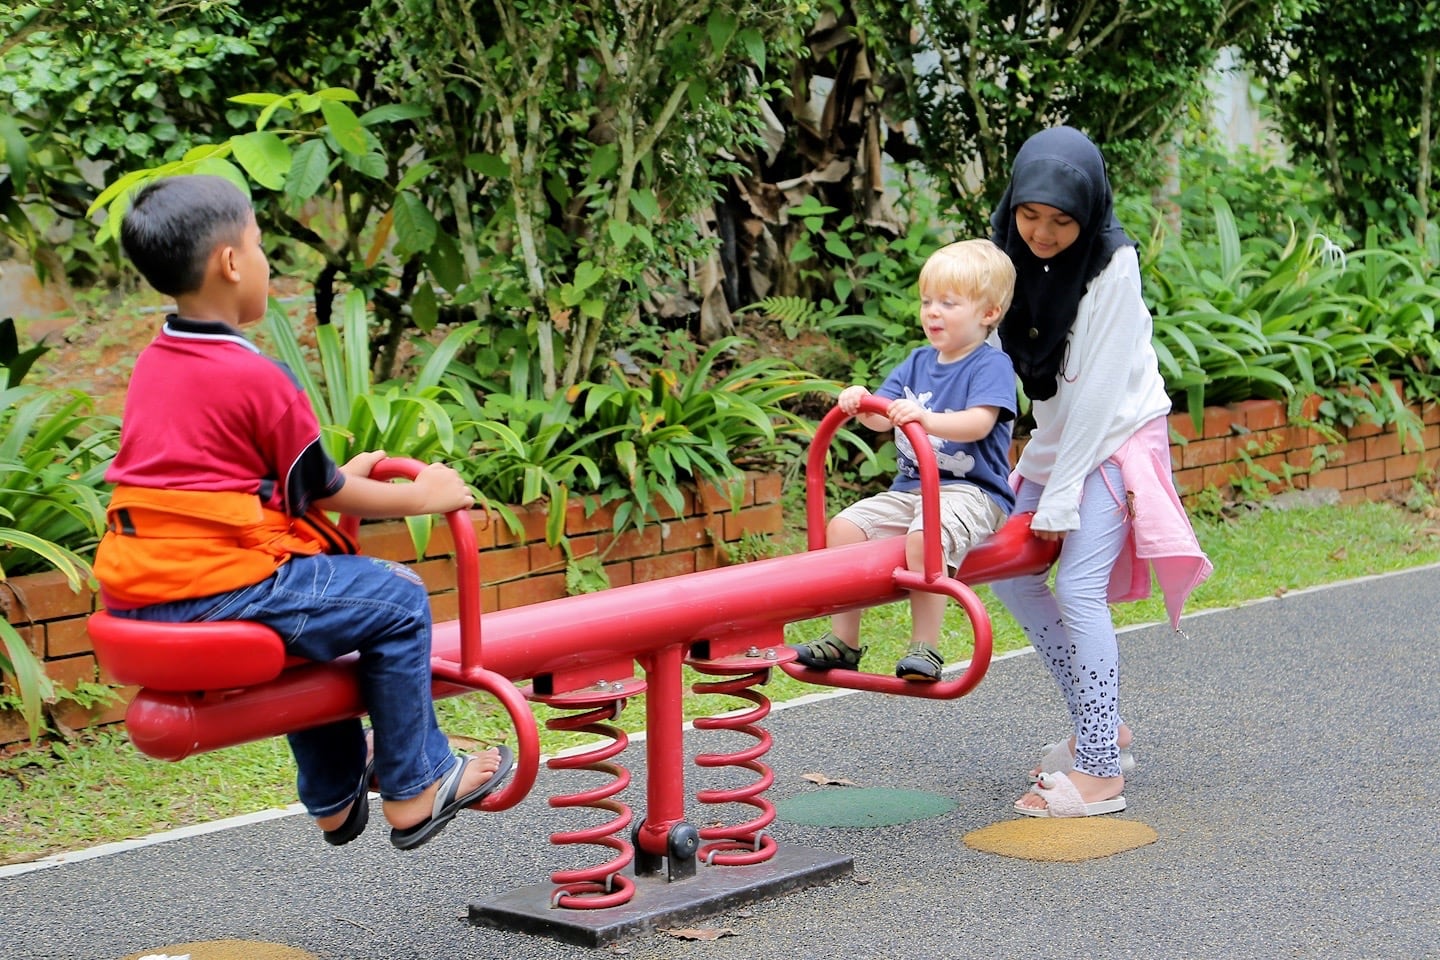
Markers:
<point>1368,463</point>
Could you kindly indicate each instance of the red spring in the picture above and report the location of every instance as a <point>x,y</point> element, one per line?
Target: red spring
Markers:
<point>600,886</point>
<point>745,843</point>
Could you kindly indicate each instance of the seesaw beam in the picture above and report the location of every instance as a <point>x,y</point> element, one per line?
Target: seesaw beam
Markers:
<point>570,638</point>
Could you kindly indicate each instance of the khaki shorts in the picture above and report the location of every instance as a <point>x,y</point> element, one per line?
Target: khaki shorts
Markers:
<point>967,517</point>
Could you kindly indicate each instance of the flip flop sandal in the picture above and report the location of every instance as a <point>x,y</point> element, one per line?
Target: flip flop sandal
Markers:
<point>359,814</point>
<point>1057,758</point>
<point>447,803</point>
<point>1062,799</point>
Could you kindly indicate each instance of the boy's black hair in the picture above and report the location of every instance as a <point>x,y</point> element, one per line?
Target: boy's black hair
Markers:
<point>174,224</point>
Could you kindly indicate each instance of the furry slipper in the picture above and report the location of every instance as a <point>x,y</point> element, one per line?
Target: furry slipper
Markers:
<point>1062,799</point>
<point>1057,758</point>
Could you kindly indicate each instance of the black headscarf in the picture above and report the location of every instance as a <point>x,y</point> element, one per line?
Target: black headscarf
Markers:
<point>1061,168</point>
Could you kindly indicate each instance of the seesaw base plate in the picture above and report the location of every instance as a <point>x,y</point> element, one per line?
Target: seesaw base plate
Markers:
<point>658,903</point>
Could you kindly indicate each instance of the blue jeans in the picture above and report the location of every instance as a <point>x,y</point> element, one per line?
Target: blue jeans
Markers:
<point>1071,627</point>
<point>327,606</point>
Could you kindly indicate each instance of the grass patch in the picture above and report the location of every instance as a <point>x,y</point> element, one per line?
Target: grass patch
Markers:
<point>97,788</point>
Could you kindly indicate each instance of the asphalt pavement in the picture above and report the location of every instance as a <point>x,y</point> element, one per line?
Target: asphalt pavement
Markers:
<point>1286,754</point>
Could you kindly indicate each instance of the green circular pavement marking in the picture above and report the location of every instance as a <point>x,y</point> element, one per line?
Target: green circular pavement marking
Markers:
<point>862,807</point>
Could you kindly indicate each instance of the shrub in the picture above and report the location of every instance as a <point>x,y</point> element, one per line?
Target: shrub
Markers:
<point>636,438</point>
<point>53,455</point>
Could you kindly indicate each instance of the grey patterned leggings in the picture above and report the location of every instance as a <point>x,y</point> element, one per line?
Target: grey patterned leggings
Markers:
<point>1070,627</point>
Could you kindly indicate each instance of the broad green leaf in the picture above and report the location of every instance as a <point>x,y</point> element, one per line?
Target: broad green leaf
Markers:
<point>344,127</point>
<point>17,151</point>
<point>488,165</point>
<point>264,156</point>
<point>754,43</point>
<point>371,164</point>
<point>424,311</point>
<point>309,170</point>
<point>838,247</point>
<point>620,233</point>
<point>555,516</point>
<point>415,225</point>
<point>334,94</point>
<point>720,27</point>
<point>31,682</point>
<point>392,112</point>
<point>587,273</point>
<point>256,99</point>
<point>414,175</point>
<point>445,262</point>
<point>645,204</point>
<point>270,109</point>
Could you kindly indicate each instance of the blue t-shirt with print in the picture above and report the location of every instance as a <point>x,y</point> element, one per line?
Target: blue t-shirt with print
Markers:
<point>984,377</point>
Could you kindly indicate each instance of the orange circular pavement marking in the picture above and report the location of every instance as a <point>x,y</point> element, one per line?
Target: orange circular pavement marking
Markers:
<point>223,950</point>
<point>1066,840</point>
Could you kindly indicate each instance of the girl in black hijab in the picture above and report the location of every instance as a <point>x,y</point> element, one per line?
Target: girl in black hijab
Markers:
<point>1096,469</point>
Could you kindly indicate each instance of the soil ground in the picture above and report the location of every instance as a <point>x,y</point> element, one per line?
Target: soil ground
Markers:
<point>93,347</point>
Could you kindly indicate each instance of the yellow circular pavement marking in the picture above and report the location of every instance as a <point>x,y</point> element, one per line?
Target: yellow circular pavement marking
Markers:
<point>1060,839</point>
<point>224,950</point>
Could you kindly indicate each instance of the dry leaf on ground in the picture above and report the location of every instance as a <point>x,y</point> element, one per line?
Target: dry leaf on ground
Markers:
<point>696,933</point>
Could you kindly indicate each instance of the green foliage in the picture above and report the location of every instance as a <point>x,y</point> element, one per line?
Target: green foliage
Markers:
<point>121,85</point>
<point>321,131</point>
<point>1231,318</point>
<point>406,418</point>
<point>979,77</point>
<point>573,152</point>
<point>21,668</point>
<point>1268,194</point>
<point>1353,90</point>
<point>703,424</point>
<point>53,455</point>
<point>585,575</point>
<point>635,440</point>
<point>527,450</point>
<point>1265,315</point>
<point>1256,482</point>
<point>751,546</point>
<point>873,312</point>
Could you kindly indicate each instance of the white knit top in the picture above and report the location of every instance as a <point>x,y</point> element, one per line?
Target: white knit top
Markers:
<point>1110,386</point>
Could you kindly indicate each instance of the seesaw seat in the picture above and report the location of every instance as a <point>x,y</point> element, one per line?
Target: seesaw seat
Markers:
<point>186,657</point>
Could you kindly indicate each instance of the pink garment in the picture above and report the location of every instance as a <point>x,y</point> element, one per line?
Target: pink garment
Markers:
<point>1160,534</point>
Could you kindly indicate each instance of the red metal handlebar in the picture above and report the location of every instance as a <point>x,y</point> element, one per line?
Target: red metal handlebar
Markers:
<point>815,516</point>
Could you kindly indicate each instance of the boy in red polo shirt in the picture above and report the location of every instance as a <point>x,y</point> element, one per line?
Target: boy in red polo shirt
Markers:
<point>221,481</point>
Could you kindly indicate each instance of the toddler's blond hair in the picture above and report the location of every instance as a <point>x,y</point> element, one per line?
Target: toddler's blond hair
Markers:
<point>975,269</point>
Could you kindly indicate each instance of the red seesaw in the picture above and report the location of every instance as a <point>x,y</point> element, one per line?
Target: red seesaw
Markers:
<point>212,685</point>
